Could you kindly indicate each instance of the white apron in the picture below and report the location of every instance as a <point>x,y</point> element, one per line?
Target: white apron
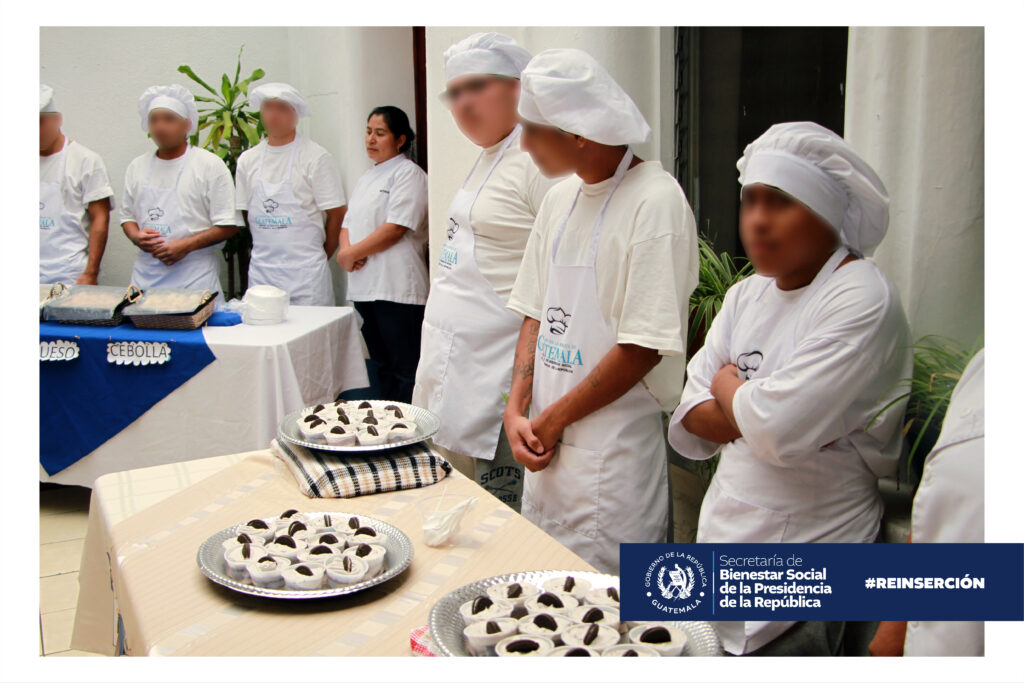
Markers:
<point>725,517</point>
<point>63,240</point>
<point>608,481</point>
<point>469,339</point>
<point>157,208</point>
<point>287,245</point>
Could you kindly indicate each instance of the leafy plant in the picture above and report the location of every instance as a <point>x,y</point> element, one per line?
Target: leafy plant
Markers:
<point>228,129</point>
<point>718,272</point>
<point>939,363</point>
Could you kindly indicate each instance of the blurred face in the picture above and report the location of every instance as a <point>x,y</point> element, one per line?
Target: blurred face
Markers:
<point>780,234</point>
<point>484,107</point>
<point>278,117</point>
<point>167,129</point>
<point>49,129</point>
<point>381,143</point>
<point>555,152</point>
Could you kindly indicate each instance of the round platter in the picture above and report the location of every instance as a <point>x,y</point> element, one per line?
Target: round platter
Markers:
<point>427,425</point>
<point>446,625</point>
<point>210,559</point>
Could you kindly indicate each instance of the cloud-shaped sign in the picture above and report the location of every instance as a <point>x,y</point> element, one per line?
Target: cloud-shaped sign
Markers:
<point>269,205</point>
<point>559,320</point>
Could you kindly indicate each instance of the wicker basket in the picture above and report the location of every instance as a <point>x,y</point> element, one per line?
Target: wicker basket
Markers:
<point>132,294</point>
<point>176,321</point>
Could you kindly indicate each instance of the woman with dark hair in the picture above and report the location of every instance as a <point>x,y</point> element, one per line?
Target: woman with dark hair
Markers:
<point>383,248</point>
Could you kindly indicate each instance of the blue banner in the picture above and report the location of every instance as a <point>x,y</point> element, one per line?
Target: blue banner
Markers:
<point>822,581</point>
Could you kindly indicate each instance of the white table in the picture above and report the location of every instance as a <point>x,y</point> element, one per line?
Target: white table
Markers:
<point>261,373</point>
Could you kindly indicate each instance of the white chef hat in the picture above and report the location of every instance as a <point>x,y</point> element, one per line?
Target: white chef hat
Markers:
<point>175,97</point>
<point>485,53</point>
<point>568,89</point>
<point>280,91</point>
<point>46,103</point>
<point>821,170</point>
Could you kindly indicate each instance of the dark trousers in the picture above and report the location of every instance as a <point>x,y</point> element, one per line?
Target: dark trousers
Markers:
<point>392,334</point>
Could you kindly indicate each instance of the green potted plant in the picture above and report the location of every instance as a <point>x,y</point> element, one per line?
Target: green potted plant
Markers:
<point>228,129</point>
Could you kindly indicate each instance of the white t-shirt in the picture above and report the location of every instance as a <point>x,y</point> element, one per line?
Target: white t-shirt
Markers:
<point>85,179</point>
<point>315,179</point>
<point>394,191</point>
<point>504,212</point>
<point>646,264</point>
<point>206,195</point>
<point>949,507</point>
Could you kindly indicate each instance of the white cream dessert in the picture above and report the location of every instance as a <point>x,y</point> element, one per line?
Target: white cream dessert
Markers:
<point>313,427</point>
<point>515,592</point>
<point>592,614</point>
<point>591,635</point>
<point>285,546</point>
<point>321,554</point>
<point>290,515</point>
<point>573,651</point>
<point>257,527</point>
<point>334,539</point>
<point>312,410</point>
<point>482,608</point>
<point>304,577</point>
<point>366,534</point>
<point>394,411</point>
<point>360,410</point>
<point>482,636</point>
<point>606,597</point>
<point>338,434</point>
<point>299,530</point>
<point>370,553</point>
<point>350,524</point>
<point>237,560</point>
<point>400,431</point>
<point>371,436</point>
<point>523,646</point>
<point>266,571</point>
<point>345,570</point>
<point>630,650</point>
<point>235,541</point>
<point>323,521</point>
<point>544,624</point>
<point>667,640</point>
<point>568,584</point>
<point>555,603</point>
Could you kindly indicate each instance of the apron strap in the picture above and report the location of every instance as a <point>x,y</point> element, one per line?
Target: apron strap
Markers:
<point>595,237</point>
<point>501,153</point>
<point>184,160</point>
<point>291,161</point>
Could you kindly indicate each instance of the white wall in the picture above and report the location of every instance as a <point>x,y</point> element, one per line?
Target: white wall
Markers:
<point>915,110</point>
<point>640,59</point>
<point>98,73</point>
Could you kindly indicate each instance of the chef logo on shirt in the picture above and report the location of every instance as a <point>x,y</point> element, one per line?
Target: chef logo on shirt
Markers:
<point>748,363</point>
<point>675,582</point>
<point>453,227</point>
<point>558,319</point>
<point>269,221</point>
<point>154,214</point>
<point>449,255</point>
<point>558,355</point>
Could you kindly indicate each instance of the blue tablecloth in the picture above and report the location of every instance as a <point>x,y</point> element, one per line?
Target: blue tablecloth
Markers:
<point>85,401</point>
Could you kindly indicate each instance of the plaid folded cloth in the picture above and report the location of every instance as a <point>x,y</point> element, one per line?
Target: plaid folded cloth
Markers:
<point>421,643</point>
<point>321,474</point>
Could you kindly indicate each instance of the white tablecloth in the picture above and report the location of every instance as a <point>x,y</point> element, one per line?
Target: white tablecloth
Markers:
<point>261,373</point>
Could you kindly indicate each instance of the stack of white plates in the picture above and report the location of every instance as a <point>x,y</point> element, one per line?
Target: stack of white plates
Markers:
<point>264,305</point>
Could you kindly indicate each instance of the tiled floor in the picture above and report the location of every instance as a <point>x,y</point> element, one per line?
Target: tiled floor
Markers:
<point>63,514</point>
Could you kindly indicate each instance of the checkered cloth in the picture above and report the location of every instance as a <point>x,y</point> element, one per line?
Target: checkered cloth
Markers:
<point>325,474</point>
<point>421,643</point>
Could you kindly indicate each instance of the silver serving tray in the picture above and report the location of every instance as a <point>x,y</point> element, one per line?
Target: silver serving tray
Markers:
<point>210,559</point>
<point>445,625</point>
<point>427,425</point>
